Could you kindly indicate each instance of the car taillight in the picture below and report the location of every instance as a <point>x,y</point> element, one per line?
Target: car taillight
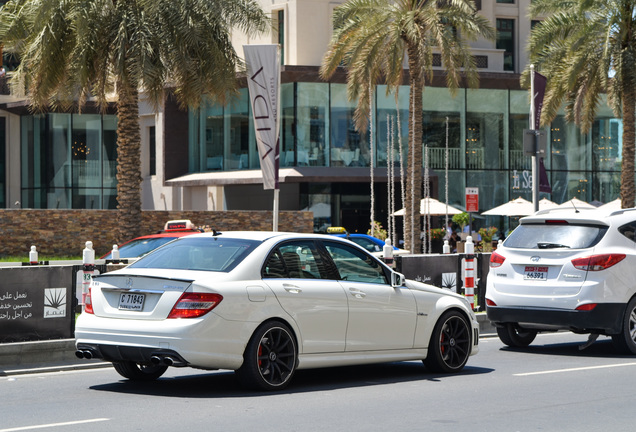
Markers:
<point>490,303</point>
<point>88,303</point>
<point>496,260</point>
<point>586,307</point>
<point>597,262</point>
<point>193,305</point>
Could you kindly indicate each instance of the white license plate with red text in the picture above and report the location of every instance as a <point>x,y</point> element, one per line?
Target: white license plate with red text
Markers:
<point>539,273</point>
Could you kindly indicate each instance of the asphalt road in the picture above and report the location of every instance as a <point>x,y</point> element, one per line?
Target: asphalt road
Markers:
<point>550,386</point>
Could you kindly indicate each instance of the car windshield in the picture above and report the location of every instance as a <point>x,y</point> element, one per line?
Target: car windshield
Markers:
<point>558,236</point>
<point>139,247</point>
<point>207,253</point>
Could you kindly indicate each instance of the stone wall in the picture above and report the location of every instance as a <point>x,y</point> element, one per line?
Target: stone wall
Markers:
<point>65,232</point>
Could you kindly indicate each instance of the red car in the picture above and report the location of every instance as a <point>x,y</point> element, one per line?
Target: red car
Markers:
<point>142,245</point>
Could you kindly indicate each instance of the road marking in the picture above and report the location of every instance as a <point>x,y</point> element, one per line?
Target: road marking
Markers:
<point>71,423</point>
<point>571,370</point>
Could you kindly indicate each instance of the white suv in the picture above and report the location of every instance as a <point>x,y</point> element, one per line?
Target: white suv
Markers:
<point>566,269</point>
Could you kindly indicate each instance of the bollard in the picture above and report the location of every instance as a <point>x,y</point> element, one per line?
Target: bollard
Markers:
<point>88,261</point>
<point>446,247</point>
<point>33,256</point>
<point>469,272</point>
<point>387,252</point>
<point>114,254</point>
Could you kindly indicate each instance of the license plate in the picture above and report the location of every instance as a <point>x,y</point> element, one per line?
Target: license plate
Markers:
<point>535,273</point>
<point>133,302</point>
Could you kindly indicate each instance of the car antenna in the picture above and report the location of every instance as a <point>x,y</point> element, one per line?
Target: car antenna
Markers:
<point>216,233</point>
<point>575,209</point>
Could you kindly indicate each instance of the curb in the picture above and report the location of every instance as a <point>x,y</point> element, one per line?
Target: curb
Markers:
<point>20,358</point>
<point>42,356</point>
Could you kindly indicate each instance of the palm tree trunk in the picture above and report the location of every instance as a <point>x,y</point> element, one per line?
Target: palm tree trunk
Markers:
<point>128,162</point>
<point>412,218</point>
<point>629,138</point>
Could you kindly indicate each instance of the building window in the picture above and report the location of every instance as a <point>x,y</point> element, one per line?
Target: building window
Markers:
<point>152,147</point>
<point>506,1</point>
<point>69,161</point>
<point>506,42</point>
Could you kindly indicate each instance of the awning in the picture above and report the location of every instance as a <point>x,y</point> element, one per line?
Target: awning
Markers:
<point>286,175</point>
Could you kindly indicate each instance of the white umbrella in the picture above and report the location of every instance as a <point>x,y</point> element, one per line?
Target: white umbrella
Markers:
<point>322,210</point>
<point>545,204</point>
<point>612,205</point>
<point>577,203</point>
<point>432,207</point>
<point>516,207</point>
<point>519,207</point>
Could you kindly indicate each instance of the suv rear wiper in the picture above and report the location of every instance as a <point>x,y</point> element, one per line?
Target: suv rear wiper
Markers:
<point>546,245</point>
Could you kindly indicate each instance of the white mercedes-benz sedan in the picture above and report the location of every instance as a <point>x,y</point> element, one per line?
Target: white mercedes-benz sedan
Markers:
<point>265,304</point>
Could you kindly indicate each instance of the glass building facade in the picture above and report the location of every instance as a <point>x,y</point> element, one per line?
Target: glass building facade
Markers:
<point>68,161</point>
<point>479,132</point>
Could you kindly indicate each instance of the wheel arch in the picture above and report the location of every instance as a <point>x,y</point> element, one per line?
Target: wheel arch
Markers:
<point>288,323</point>
<point>426,324</point>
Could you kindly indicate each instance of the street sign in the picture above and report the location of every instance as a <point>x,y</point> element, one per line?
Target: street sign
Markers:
<point>472,199</point>
<point>529,141</point>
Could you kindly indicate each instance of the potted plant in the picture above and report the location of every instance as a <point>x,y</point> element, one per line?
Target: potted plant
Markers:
<point>462,219</point>
<point>378,231</point>
<point>437,237</point>
<point>486,237</point>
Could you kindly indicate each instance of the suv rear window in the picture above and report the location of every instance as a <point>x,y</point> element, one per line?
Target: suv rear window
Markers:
<point>560,236</point>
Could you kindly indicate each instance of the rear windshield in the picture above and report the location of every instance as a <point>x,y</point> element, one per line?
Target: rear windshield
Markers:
<point>139,247</point>
<point>531,236</point>
<point>208,253</point>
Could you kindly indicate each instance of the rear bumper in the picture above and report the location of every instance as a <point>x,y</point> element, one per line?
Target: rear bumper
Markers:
<point>606,318</point>
<point>119,353</point>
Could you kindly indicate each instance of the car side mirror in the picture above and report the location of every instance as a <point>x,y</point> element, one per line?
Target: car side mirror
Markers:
<point>397,279</point>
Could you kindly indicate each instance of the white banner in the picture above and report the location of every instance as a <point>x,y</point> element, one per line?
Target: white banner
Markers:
<point>263,82</point>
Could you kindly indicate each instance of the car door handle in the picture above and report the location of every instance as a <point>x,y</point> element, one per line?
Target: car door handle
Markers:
<point>292,288</point>
<point>357,293</point>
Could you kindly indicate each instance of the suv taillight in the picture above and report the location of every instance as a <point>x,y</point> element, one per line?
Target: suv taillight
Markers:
<point>88,303</point>
<point>193,305</point>
<point>597,262</point>
<point>496,260</point>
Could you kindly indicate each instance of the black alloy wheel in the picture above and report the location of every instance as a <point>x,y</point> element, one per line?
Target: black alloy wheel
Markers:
<point>450,344</point>
<point>270,359</point>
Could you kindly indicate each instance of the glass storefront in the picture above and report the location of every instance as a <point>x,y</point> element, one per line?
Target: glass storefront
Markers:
<point>478,133</point>
<point>69,161</point>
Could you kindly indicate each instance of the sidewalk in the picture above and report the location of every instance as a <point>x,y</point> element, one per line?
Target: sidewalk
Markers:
<point>59,355</point>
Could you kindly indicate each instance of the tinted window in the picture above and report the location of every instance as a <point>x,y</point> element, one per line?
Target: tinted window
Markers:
<point>208,253</point>
<point>531,236</point>
<point>297,260</point>
<point>629,230</point>
<point>355,265</point>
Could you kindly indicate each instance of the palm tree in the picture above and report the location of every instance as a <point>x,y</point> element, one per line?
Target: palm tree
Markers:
<point>74,50</point>
<point>586,48</point>
<point>373,39</point>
